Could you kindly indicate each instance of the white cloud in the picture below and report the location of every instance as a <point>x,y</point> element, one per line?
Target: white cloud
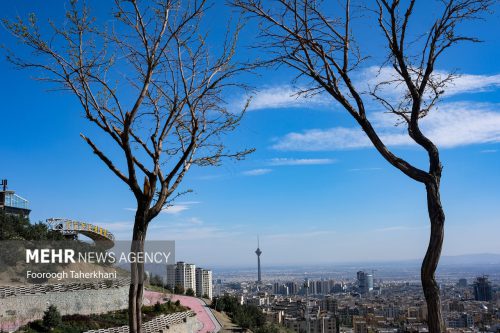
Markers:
<point>257,172</point>
<point>179,207</point>
<point>461,84</point>
<point>468,83</point>
<point>116,226</point>
<point>489,151</point>
<point>452,125</point>
<point>285,96</point>
<point>190,232</point>
<point>175,209</point>
<point>195,220</point>
<point>192,228</point>
<point>279,97</point>
<point>322,140</point>
<point>300,161</point>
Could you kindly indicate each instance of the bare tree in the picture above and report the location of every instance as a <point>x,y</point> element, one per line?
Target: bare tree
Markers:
<point>315,39</point>
<point>150,83</point>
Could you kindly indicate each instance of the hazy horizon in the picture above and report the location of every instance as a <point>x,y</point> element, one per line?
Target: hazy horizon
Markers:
<point>314,190</point>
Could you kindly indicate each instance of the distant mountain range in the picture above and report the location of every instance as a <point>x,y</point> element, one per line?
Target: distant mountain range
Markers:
<point>472,259</point>
<point>458,260</point>
<point>480,259</point>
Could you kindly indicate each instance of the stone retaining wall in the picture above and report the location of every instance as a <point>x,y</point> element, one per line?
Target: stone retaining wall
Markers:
<point>179,322</point>
<point>18,309</point>
<point>32,289</point>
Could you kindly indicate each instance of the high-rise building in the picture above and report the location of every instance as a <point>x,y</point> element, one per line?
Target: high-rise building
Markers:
<point>11,203</point>
<point>482,289</point>
<point>339,287</point>
<point>313,290</point>
<point>181,274</point>
<point>258,252</point>
<point>365,282</point>
<point>329,304</point>
<point>293,288</point>
<point>203,283</point>
<point>462,283</point>
<point>369,282</point>
<point>360,275</point>
<point>280,289</point>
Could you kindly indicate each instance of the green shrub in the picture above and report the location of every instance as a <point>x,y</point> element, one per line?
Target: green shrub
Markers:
<point>51,317</point>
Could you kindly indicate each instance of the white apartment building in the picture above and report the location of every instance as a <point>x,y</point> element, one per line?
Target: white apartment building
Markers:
<point>182,274</point>
<point>203,282</point>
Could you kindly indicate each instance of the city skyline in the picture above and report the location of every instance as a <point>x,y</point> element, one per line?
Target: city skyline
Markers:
<point>314,188</point>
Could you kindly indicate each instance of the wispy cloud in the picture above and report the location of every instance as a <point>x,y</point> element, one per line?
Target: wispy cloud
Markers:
<point>257,172</point>
<point>301,161</point>
<point>452,125</point>
<point>190,232</point>
<point>461,83</point>
<point>279,97</point>
<point>173,209</point>
<point>192,228</point>
<point>286,96</point>
<point>489,151</point>
<point>179,207</point>
<point>116,226</point>
<point>195,220</point>
<point>322,140</point>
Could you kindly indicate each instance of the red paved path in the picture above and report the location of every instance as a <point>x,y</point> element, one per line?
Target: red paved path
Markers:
<point>195,304</point>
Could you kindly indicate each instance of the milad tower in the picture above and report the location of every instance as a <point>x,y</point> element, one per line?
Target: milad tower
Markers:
<point>258,252</point>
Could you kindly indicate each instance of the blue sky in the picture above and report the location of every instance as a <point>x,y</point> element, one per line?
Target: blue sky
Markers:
<point>314,190</point>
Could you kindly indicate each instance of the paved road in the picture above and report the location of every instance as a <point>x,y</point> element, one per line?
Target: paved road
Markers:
<point>203,314</point>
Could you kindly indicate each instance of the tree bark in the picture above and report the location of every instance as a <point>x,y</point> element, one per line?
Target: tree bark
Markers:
<point>431,259</point>
<point>137,273</point>
<point>132,295</point>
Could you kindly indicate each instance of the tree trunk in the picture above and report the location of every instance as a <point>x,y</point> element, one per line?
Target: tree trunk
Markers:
<point>137,274</point>
<point>132,296</point>
<point>431,260</point>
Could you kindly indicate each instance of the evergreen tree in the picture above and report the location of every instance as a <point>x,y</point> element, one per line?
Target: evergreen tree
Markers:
<point>179,289</point>
<point>51,317</point>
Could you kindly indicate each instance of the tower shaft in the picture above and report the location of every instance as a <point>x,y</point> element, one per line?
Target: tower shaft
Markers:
<point>259,279</point>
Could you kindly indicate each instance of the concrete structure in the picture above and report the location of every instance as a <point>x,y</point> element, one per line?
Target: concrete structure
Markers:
<point>365,282</point>
<point>280,289</point>
<point>70,229</point>
<point>482,289</point>
<point>181,274</point>
<point>258,252</point>
<point>293,288</point>
<point>11,203</point>
<point>322,324</point>
<point>360,326</point>
<point>203,282</point>
<point>178,322</point>
<point>460,320</point>
<point>20,305</point>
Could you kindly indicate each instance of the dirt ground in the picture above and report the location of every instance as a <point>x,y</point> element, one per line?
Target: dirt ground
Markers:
<point>227,325</point>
